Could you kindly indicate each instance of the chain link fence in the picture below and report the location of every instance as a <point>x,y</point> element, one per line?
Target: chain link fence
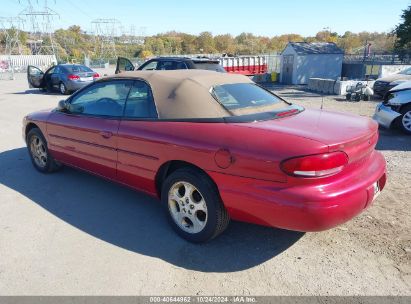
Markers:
<point>379,59</point>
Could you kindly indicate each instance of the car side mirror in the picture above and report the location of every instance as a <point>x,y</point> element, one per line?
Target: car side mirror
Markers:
<point>62,106</point>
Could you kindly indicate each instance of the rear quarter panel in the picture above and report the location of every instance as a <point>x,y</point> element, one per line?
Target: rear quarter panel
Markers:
<point>250,152</point>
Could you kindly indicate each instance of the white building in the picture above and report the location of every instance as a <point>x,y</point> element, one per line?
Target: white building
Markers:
<point>301,61</point>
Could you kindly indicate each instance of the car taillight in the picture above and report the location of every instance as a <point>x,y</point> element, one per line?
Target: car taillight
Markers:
<point>315,165</point>
<point>73,77</point>
<point>96,75</point>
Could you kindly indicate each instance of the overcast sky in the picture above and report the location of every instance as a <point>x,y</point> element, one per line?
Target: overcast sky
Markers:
<point>260,17</point>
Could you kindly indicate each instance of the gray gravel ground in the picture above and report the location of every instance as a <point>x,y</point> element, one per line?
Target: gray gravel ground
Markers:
<point>71,233</point>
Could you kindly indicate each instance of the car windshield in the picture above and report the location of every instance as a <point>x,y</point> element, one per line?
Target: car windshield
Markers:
<point>247,98</point>
<point>78,69</point>
<point>406,72</point>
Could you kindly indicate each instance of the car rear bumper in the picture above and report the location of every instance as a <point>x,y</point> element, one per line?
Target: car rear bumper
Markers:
<point>384,115</point>
<point>73,85</point>
<point>302,207</point>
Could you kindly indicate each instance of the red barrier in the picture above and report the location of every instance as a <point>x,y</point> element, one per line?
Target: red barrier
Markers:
<point>245,65</point>
<point>247,69</point>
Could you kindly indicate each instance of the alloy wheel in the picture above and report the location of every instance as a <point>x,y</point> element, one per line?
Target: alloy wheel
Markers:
<point>38,151</point>
<point>62,88</point>
<point>187,207</point>
<point>406,121</point>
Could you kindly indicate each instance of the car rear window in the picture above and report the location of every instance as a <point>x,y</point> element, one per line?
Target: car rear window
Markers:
<point>209,66</point>
<point>78,69</point>
<point>406,72</point>
<point>247,98</point>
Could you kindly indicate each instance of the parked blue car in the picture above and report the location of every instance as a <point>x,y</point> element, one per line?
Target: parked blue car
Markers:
<point>64,78</point>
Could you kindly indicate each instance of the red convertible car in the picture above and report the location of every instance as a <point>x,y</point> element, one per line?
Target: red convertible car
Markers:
<point>214,147</point>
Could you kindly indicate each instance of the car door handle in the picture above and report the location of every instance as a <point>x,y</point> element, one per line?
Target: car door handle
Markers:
<point>106,134</point>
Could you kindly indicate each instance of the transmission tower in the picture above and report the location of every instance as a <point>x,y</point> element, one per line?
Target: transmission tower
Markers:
<point>141,34</point>
<point>132,34</point>
<point>40,21</point>
<point>10,27</point>
<point>137,35</point>
<point>105,31</point>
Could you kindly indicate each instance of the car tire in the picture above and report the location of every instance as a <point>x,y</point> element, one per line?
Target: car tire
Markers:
<point>199,214</point>
<point>63,89</point>
<point>39,153</point>
<point>404,120</point>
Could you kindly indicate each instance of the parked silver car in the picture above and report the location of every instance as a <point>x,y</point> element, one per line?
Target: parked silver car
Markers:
<point>65,78</point>
<point>396,108</point>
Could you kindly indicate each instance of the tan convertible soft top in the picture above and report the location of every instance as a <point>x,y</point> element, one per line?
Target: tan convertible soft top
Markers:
<point>186,93</point>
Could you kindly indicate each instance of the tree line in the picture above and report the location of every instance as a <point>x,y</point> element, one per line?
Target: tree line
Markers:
<point>74,43</point>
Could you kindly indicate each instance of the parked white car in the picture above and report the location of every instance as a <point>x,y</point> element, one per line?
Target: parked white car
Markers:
<point>396,108</point>
<point>384,84</point>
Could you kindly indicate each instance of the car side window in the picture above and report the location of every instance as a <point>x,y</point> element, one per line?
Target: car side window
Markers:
<point>102,99</point>
<point>57,70</point>
<point>166,65</point>
<point>51,70</point>
<point>140,102</point>
<point>180,65</point>
<point>150,66</point>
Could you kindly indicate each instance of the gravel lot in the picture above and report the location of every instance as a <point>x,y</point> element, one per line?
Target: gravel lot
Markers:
<point>71,233</point>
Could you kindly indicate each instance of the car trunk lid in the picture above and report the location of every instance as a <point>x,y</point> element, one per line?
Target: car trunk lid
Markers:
<point>85,75</point>
<point>355,135</point>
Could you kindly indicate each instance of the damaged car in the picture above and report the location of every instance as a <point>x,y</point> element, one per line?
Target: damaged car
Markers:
<point>395,110</point>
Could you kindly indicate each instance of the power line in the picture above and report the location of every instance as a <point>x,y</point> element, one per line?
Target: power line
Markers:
<point>79,9</point>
